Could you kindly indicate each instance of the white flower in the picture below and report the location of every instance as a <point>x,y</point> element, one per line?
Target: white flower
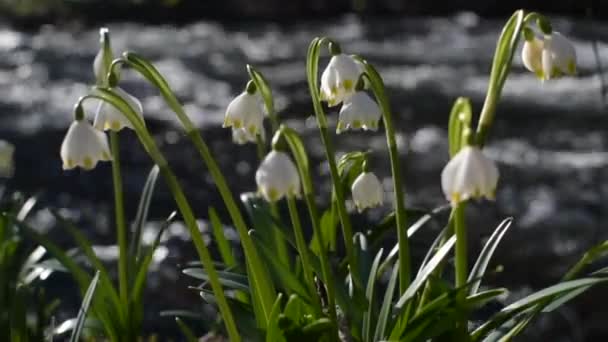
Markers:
<point>277,176</point>
<point>339,79</point>
<point>241,136</point>
<point>84,146</point>
<point>360,111</point>
<point>559,56</point>
<point>367,191</point>
<point>245,111</point>
<point>109,117</point>
<point>549,57</point>
<point>7,165</point>
<point>469,175</point>
<point>531,56</point>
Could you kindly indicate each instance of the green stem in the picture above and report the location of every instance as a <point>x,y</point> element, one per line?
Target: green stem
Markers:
<point>312,65</point>
<point>303,251</point>
<point>260,273</point>
<point>461,245</point>
<point>121,229</point>
<point>400,213</point>
<point>180,199</point>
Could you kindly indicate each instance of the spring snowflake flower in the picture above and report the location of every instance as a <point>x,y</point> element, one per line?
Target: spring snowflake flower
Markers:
<point>109,117</point>
<point>339,79</point>
<point>551,56</point>
<point>277,176</point>
<point>469,175</point>
<point>359,112</point>
<point>245,111</point>
<point>7,164</point>
<point>84,146</point>
<point>241,136</point>
<point>367,191</point>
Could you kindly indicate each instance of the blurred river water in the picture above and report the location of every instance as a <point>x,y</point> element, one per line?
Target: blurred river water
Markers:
<point>549,138</point>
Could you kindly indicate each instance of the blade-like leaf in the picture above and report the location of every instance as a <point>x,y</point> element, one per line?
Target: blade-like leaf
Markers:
<point>369,315</point>
<point>84,309</point>
<point>385,309</point>
<point>231,280</point>
<point>425,273</point>
<point>142,214</point>
<point>186,331</point>
<point>220,239</point>
<point>479,269</point>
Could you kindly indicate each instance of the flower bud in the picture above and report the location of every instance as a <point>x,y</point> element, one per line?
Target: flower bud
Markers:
<point>469,175</point>
<point>277,177</point>
<point>84,146</point>
<point>367,191</point>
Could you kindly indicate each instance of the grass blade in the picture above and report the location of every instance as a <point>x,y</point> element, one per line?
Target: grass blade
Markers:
<point>186,331</point>
<point>479,269</point>
<point>84,309</point>
<point>385,309</point>
<point>220,239</point>
<point>142,214</point>
<point>368,316</point>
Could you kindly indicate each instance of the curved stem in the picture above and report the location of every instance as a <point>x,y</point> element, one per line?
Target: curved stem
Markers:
<point>260,273</point>
<point>303,251</point>
<point>312,65</point>
<point>121,229</point>
<point>297,149</point>
<point>180,199</point>
<point>400,213</point>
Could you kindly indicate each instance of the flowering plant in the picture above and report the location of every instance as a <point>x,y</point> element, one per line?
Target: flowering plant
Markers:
<point>292,284</point>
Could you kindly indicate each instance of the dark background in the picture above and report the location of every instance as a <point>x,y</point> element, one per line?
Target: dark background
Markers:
<point>549,138</point>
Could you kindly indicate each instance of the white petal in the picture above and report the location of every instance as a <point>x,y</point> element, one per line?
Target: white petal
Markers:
<point>245,111</point>
<point>564,54</point>
<point>108,117</point>
<point>277,176</point>
<point>531,55</point>
<point>84,146</point>
<point>367,191</point>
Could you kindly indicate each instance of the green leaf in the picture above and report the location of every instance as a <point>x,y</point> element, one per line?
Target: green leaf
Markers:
<point>231,280</point>
<point>386,307</point>
<point>220,239</point>
<point>425,273</point>
<point>142,215</point>
<point>186,331</point>
<point>285,276</point>
<point>479,269</point>
<point>87,249</point>
<point>273,332</point>
<point>369,314</point>
<point>142,271</point>
<point>84,309</point>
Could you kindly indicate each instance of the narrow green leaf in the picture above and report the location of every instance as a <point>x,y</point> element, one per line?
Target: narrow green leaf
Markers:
<point>142,271</point>
<point>231,280</point>
<point>142,214</point>
<point>479,269</point>
<point>369,314</point>
<point>220,239</point>
<point>386,307</point>
<point>186,331</point>
<point>84,309</point>
<point>460,120</point>
<point>425,273</point>
<point>273,332</point>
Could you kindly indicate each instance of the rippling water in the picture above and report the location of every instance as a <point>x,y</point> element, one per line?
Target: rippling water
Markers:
<point>549,138</point>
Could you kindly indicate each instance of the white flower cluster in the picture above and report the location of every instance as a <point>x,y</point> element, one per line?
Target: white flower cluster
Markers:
<point>84,144</point>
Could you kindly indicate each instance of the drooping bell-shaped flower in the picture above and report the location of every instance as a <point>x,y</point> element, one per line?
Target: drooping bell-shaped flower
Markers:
<point>531,55</point>
<point>558,57</point>
<point>339,78</point>
<point>277,177</point>
<point>359,112</point>
<point>103,58</point>
<point>7,164</point>
<point>549,56</point>
<point>84,146</point>
<point>109,117</point>
<point>245,111</point>
<point>469,174</point>
<point>367,191</point>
